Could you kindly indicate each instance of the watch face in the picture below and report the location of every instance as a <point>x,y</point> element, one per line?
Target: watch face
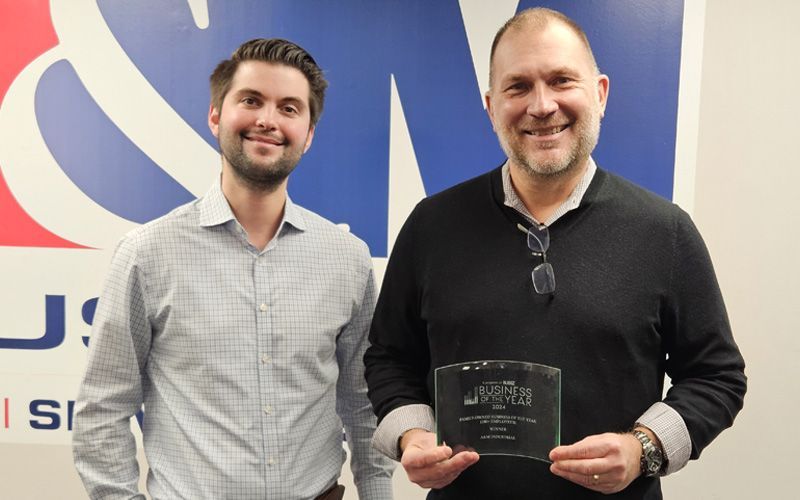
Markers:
<point>652,459</point>
<point>653,466</point>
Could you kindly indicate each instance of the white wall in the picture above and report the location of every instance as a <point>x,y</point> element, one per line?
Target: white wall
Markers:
<point>746,207</point>
<point>745,204</point>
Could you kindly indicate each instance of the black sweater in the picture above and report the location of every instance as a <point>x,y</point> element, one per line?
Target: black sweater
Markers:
<point>636,296</point>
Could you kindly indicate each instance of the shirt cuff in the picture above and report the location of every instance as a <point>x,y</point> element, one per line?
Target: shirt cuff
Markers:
<point>387,436</point>
<point>669,427</point>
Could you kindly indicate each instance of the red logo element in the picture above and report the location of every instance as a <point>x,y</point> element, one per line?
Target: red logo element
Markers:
<point>25,33</point>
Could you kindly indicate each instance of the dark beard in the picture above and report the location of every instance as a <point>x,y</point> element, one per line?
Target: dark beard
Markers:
<point>265,179</point>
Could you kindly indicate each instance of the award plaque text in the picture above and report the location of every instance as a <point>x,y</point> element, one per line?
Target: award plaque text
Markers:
<point>499,408</point>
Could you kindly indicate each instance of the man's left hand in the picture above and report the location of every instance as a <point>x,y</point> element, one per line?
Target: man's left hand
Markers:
<point>607,463</point>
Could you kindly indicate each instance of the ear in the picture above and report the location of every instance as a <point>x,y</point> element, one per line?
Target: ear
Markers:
<point>487,99</point>
<point>602,93</point>
<point>309,138</point>
<point>213,120</point>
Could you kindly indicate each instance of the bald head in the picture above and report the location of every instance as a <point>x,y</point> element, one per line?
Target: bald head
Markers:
<point>535,20</point>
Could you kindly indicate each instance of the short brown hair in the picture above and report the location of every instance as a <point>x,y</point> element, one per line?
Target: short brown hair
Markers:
<point>272,50</point>
<point>539,17</point>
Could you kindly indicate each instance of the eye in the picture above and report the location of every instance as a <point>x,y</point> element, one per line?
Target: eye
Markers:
<point>289,109</point>
<point>249,101</point>
<point>517,88</point>
<point>561,81</point>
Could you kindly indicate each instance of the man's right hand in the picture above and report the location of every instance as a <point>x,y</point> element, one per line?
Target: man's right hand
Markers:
<point>428,465</point>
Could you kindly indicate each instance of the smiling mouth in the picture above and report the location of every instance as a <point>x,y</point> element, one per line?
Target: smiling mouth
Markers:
<point>264,139</point>
<point>547,131</point>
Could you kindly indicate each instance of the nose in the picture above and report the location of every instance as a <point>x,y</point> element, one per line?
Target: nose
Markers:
<point>542,102</point>
<point>266,118</point>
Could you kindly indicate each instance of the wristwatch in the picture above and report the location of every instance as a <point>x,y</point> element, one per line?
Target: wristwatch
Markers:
<point>652,457</point>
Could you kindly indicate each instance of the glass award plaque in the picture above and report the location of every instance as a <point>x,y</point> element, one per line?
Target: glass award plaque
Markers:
<point>499,408</point>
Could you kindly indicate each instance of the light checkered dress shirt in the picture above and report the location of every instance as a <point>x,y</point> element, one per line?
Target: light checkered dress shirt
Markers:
<point>248,362</point>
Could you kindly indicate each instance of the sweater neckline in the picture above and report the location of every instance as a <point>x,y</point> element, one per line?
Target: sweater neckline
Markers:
<point>496,186</point>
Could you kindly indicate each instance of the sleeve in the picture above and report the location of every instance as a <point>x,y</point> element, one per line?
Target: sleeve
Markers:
<point>704,362</point>
<point>398,359</point>
<point>104,448</point>
<point>372,473</point>
<point>396,423</point>
<point>668,425</point>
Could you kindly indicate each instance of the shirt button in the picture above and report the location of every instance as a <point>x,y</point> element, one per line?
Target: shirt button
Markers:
<point>268,410</point>
<point>262,308</point>
<point>271,461</point>
<point>265,358</point>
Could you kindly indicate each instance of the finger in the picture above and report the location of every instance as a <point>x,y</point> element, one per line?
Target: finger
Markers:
<point>416,457</point>
<point>453,465</point>
<point>440,483</point>
<point>596,482</point>
<point>442,473</point>
<point>462,460</point>
<point>589,447</point>
<point>605,482</point>
<point>585,467</point>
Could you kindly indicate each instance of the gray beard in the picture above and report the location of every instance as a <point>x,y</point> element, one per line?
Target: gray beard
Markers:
<point>550,169</point>
<point>588,134</point>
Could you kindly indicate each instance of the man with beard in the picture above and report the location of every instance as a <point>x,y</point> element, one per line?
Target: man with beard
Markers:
<point>239,320</point>
<point>614,288</point>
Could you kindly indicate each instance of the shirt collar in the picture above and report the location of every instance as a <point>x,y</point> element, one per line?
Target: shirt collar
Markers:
<point>215,210</point>
<point>513,200</point>
<point>293,215</point>
<point>213,207</point>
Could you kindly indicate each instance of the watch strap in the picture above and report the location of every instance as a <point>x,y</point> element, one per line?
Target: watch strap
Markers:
<point>652,460</point>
